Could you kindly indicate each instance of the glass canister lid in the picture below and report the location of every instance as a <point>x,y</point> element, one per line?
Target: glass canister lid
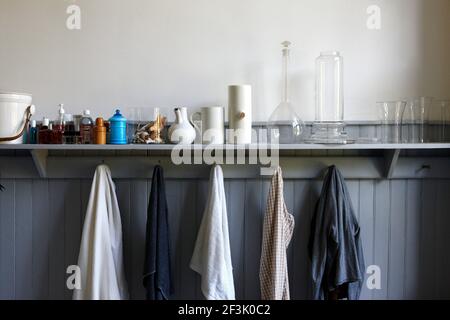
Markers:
<point>118,117</point>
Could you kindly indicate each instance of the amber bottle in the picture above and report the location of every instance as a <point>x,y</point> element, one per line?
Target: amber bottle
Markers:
<point>99,131</point>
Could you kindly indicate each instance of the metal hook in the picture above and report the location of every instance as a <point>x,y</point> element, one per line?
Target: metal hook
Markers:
<point>424,167</point>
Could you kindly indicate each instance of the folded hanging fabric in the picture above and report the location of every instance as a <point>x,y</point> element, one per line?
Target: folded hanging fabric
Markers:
<point>101,255</point>
<point>157,268</point>
<point>277,234</point>
<point>335,244</point>
<point>212,255</point>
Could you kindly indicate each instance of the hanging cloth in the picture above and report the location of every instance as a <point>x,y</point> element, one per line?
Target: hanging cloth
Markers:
<point>101,255</point>
<point>212,255</point>
<point>157,275</point>
<point>277,234</point>
<point>335,245</point>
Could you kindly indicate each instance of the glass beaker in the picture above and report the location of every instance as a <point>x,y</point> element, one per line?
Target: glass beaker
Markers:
<point>416,120</point>
<point>329,124</point>
<point>391,120</point>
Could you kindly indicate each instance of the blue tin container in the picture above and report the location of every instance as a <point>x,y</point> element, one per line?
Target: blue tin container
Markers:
<point>118,127</point>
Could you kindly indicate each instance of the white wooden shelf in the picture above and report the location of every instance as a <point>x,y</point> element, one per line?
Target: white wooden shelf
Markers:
<point>169,147</point>
<point>384,163</point>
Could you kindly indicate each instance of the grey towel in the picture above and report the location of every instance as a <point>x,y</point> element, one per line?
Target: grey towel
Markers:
<point>157,275</point>
<point>335,246</point>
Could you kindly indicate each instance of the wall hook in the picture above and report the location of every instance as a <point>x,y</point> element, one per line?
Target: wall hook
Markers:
<point>424,167</point>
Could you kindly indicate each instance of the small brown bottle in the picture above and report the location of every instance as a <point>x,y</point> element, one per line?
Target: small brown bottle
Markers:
<point>99,131</point>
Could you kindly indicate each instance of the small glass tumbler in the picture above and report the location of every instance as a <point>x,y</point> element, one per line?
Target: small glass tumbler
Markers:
<point>391,120</point>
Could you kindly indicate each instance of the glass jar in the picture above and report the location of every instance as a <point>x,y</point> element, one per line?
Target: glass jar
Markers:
<point>329,123</point>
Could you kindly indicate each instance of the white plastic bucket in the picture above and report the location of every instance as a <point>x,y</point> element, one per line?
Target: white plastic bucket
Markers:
<point>13,116</point>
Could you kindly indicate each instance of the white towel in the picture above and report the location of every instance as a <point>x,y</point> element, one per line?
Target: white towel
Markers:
<point>101,258</point>
<point>212,255</point>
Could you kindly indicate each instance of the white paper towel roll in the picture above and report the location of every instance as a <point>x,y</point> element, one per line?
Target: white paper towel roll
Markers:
<point>240,114</point>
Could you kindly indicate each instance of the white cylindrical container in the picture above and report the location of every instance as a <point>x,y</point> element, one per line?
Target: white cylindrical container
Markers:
<point>240,114</point>
<point>13,107</point>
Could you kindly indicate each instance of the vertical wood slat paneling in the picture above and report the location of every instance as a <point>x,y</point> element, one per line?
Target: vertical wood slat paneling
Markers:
<point>40,265</point>
<point>57,194</point>
<point>300,259</point>
<point>173,193</point>
<point>7,240</point>
<point>440,242</point>
<point>123,198</point>
<point>446,257</point>
<point>188,222</point>
<point>381,230</point>
<point>75,206</point>
<point>254,215</point>
<point>200,204</point>
<point>366,223</point>
<point>138,199</point>
<point>235,198</point>
<point>403,227</point>
<point>397,236</point>
<point>427,237</point>
<point>23,239</point>
<point>413,202</point>
<point>289,200</point>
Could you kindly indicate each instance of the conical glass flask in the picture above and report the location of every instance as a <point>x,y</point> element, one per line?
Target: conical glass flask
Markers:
<point>284,125</point>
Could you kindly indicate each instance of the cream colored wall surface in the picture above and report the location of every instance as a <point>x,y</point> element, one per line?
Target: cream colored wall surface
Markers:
<point>167,53</point>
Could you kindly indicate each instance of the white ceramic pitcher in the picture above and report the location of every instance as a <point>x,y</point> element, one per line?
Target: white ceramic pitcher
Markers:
<point>182,131</point>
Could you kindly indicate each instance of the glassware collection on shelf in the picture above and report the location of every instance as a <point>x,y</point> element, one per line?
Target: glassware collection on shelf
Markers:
<point>416,120</point>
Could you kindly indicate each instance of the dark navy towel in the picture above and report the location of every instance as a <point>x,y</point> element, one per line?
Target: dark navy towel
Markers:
<point>157,269</point>
<point>335,246</point>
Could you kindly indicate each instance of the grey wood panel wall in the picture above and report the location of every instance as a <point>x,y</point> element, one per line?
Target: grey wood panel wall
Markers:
<point>404,225</point>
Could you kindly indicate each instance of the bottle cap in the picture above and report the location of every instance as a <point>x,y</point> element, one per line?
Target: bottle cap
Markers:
<point>118,117</point>
<point>45,122</point>
<point>99,122</point>
<point>61,109</point>
<point>87,112</point>
<point>33,123</point>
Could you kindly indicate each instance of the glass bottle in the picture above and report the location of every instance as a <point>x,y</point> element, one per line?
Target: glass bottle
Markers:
<point>32,138</point>
<point>86,128</point>
<point>77,123</point>
<point>99,131</point>
<point>58,127</point>
<point>118,128</point>
<point>329,124</point>
<point>284,125</point>
<point>69,130</point>
<point>43,135</point>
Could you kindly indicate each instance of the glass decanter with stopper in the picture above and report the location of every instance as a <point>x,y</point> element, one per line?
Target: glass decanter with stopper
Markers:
<point>284,125</point>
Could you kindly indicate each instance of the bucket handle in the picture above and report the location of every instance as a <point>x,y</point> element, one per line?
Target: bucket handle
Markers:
<point>28,114</point>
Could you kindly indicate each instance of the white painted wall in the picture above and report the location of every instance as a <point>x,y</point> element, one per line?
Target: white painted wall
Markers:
<point>167,53</point>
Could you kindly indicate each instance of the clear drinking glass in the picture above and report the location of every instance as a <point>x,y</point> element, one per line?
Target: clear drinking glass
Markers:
<point>391,120</point>
<point>416,120</point>
<point>329,125</point>
<point>439,121</point>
